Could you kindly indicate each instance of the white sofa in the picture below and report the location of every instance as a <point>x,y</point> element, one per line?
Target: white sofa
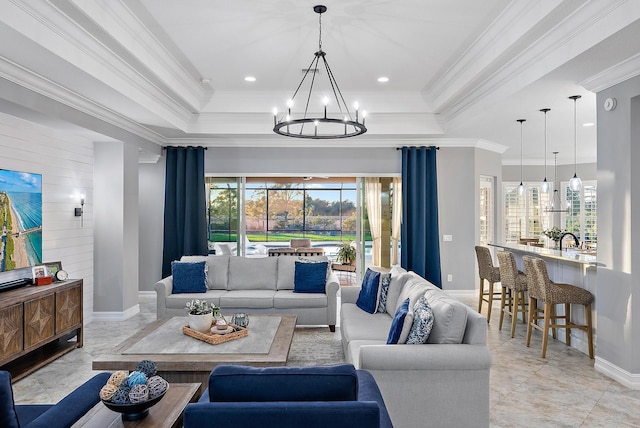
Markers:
<point>255,286</point>
<point>443,383</point>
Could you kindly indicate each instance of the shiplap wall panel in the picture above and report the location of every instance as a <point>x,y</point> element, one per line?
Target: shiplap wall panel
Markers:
<point>66,164</point>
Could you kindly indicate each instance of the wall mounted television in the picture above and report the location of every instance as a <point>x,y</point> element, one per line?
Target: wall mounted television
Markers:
<point>20,219</point>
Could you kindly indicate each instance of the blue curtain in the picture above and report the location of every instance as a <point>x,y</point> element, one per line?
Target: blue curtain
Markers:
<point>185,221</point>
<point>419,232</point>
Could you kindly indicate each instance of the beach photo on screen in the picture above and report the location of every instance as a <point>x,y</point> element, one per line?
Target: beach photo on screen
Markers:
<point>20,219</point>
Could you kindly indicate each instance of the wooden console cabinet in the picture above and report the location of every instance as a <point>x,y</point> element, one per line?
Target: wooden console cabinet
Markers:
<point>39,324</point>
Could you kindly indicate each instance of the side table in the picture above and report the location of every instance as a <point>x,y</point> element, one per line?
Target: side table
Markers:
<point>350,269</point>
<point>165,414</point>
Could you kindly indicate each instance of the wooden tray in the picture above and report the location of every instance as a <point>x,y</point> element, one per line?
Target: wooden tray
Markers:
<point>216,339</point>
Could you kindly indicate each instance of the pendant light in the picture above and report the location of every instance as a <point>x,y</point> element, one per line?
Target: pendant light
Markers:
<point>555,199</point>
<point>521,186</point>
<point>575,183</point>
<point>544,187</point>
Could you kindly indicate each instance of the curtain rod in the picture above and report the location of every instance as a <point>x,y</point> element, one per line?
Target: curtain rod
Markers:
<point>165,147</point>
<point>426,147</point>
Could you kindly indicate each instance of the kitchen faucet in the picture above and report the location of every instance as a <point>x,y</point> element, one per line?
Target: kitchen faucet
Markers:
<point>574,237</point>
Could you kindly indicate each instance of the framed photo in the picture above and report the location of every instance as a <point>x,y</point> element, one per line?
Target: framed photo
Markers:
<point>39,271</point>
<point>53,268</point>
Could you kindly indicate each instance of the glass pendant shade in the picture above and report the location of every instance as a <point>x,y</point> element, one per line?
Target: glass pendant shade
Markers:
<point>545,186</point>
<point>575,183</point>
<point>521,189</point>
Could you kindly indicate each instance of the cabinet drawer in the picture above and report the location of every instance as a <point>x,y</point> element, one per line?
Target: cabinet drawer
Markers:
<point>39,320</point>
<point>10,331</point>
<point>68,308</point>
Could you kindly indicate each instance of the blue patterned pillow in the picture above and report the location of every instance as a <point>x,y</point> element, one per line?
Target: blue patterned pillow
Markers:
<point>188,277</point>
<point>370,291</point>
<point>401,324</point>
<point>385,280</point>
<point>310,277</point>
<point>422,322</point>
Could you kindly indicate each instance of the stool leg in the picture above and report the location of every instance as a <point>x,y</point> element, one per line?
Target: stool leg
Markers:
<point>481,296</point>
<point>490,300</point>
<point>567,322</point>
<point>502,306</point>
<point>554,331</point>
<point>587,313</point>
<point>532,304</point>
<point>548,308</point>
<point>514,312</point>
<point>524,307</point>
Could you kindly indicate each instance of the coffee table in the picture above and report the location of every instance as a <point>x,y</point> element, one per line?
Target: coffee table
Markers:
<point>165,414</point>
<point>184,359</point>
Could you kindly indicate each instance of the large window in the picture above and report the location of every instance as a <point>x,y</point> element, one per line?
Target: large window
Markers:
<point>525,215</point>
<point>486,210</point>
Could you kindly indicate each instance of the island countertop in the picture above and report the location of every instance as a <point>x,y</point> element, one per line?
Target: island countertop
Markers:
<point>584,257</point>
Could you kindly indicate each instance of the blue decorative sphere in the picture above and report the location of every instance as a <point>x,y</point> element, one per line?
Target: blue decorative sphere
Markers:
<point>121,396</point>
<point>147,367</point>
<point>136,378</point>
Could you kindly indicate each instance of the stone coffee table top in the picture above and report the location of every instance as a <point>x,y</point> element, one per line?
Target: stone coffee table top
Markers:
<point>162,341</point>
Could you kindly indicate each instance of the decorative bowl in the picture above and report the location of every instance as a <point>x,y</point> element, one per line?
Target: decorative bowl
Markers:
<point>134,412</point>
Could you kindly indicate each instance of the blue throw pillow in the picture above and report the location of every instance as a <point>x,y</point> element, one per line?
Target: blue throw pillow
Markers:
<point>422,322</point>
<point>8,416</point>
<point>401,324</point>
<point>369,293</point>
<point>188,277</point>
<point>310,277</point>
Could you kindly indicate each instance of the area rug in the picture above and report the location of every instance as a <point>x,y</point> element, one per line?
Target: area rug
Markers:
<point>315,346</point>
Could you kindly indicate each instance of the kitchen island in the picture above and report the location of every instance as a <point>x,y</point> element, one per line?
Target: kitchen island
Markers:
<point>570,266</point>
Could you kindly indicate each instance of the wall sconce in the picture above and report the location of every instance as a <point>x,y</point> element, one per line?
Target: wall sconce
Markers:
<point>79,212</point>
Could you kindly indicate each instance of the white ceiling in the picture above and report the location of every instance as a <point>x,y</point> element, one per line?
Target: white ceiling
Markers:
<point>460,71</point>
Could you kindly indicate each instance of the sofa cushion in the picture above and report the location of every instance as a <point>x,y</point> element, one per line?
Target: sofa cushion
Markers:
<point>8,416</point>
<point>310,277</point>
<point>356,324</point>
<point>252,273</point>
<point>449,317</point>
<point>217,270</point>
<point>422,322</point>
<point>385,279</point>
<point>287,266</point>
<point>398,277</point>
<point>414,287</point>
<point>401,324</point>
<point>256,299</point>
<point>232,383</point>
<point>370,291</point>
<point>355,346</point>
<point>188,277</point>
<point>179,301</point>
<point>289,299</point>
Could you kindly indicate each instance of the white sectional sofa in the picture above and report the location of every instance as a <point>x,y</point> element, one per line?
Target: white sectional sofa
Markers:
<point>256,286</point>
<point>443,383</point>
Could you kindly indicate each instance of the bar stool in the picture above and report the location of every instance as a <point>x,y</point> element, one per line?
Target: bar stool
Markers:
<point>487,272</point>
<point>515,282</point>
<point>551,294</point>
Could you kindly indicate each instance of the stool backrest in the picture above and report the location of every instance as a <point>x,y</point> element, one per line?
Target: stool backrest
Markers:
<point>537,279</point>
<point>508,269</point>
<point>485,263</point>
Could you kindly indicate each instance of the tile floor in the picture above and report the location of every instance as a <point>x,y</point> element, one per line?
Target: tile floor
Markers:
<point>562,390</point>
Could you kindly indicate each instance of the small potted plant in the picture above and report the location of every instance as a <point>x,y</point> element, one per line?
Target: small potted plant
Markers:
<point>201,314</point>
<point>346,254</point>
<point>555,233</point>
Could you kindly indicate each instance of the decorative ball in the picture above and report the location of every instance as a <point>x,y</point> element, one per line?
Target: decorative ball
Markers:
<point>157,386</point>
<point>107,391</point>
<point>117,377</point>
<point>136,378</point>
<point>121,396</point>
<point>147,367</point>
<point>139,394</point>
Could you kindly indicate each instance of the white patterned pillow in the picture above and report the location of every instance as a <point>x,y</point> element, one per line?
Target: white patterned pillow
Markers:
<point>422,322</point>
<point>385,280</point>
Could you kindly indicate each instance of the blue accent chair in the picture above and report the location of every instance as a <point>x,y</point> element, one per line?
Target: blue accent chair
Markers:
<point>61,415</point>
<point>336,396</point>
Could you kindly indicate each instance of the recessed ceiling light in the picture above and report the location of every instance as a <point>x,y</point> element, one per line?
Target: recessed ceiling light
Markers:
<point>205,80</point>
<point>250,79</point>
<point>588,124</point>
<point>383,79</point>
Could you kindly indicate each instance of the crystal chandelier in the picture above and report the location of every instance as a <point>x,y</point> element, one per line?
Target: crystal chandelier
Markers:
<point>324,126</point>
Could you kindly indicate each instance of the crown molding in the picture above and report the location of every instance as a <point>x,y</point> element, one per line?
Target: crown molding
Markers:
<point>618,73</point>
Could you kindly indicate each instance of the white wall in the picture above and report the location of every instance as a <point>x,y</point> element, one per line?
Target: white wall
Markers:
<point>66,164</point>
<point>151,206</point>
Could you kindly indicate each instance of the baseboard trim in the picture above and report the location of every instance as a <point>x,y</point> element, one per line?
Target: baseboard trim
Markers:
<point>461,293</point>
<point>630,380</point>
<point>116,316</point>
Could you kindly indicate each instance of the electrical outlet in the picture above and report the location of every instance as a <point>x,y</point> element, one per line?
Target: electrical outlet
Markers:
<point>449,278</point>
<point>447,238</point>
